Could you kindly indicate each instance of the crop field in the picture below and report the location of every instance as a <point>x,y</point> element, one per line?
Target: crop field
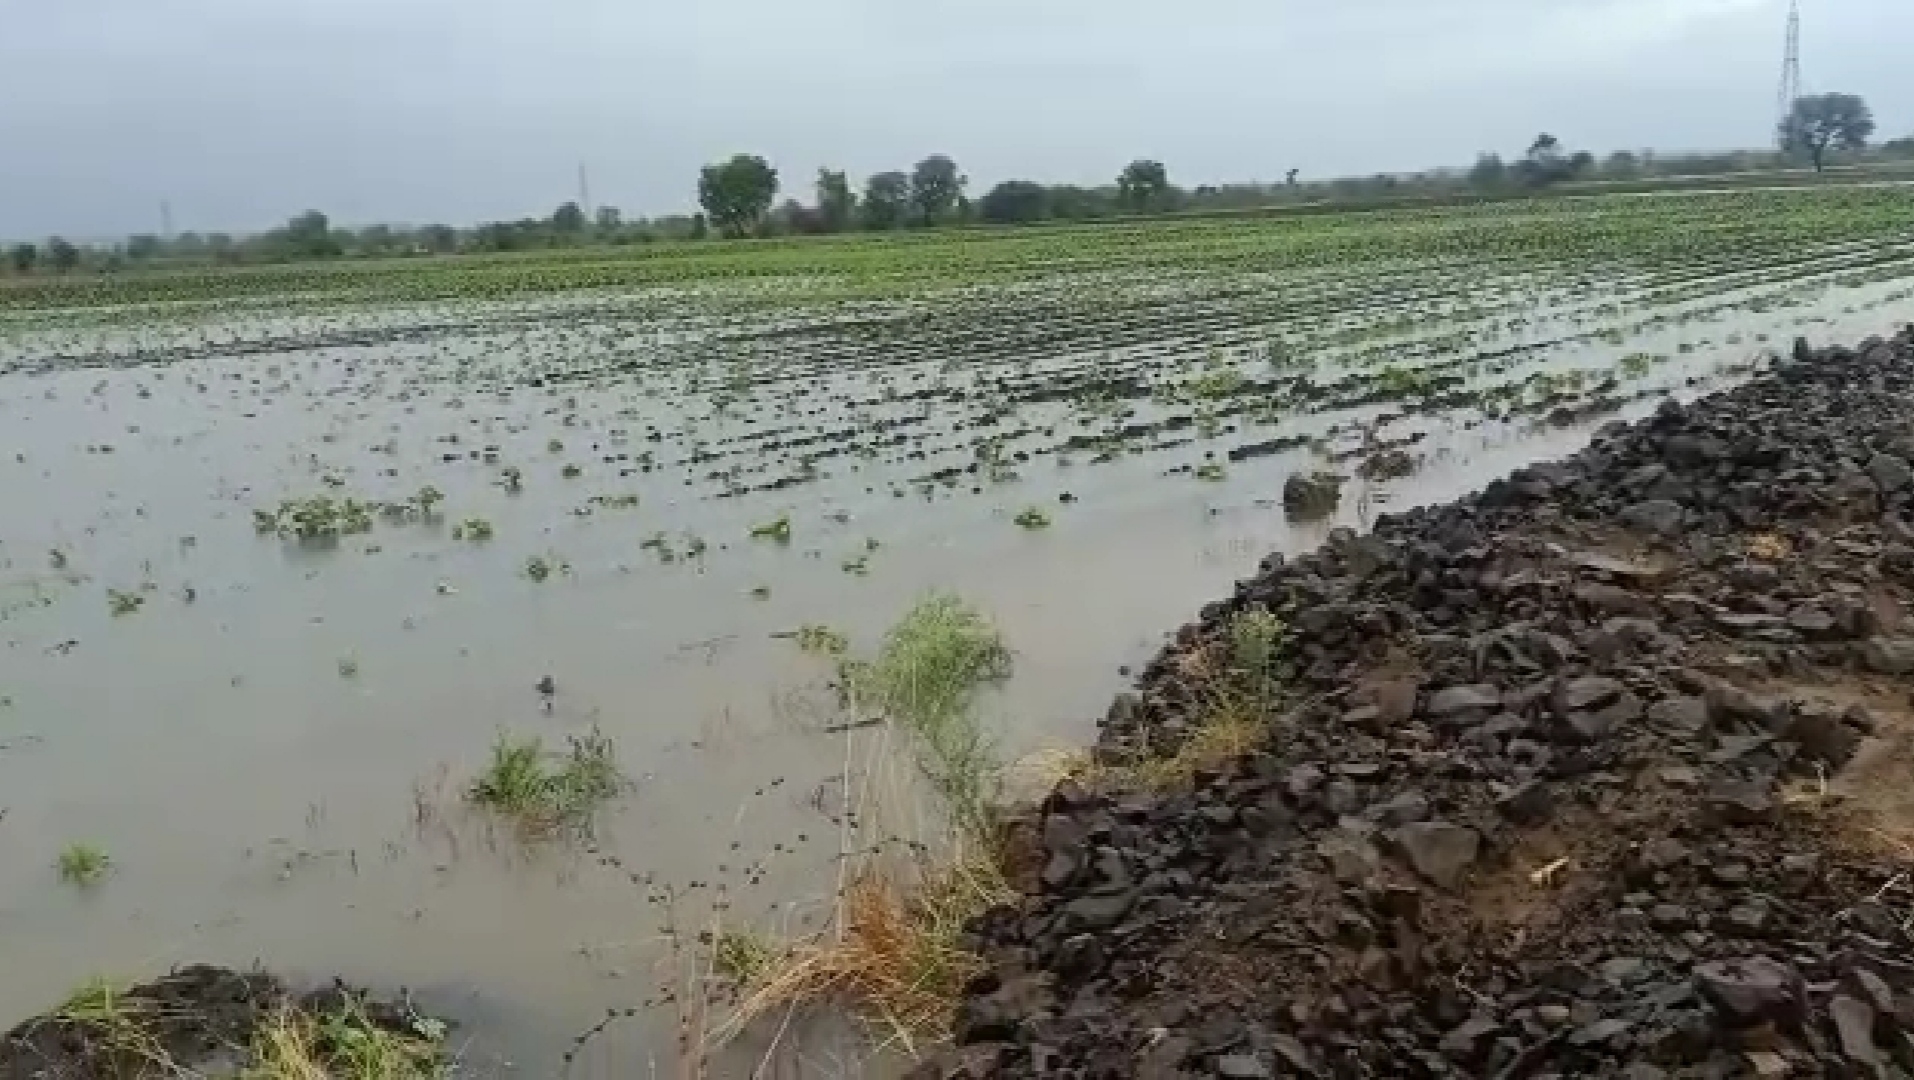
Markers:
<point>291,550</point>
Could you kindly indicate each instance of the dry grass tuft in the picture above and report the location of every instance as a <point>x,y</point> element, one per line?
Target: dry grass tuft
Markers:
<point>343,1044</point>
<point>897,958</point>
<point>1769,547</point>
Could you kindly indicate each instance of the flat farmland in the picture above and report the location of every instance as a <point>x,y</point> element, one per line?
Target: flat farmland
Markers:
<point>290,549</point>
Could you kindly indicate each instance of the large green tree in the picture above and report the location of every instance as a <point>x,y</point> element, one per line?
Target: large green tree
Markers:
<point>568,219</point>
<point>1143,185</point>
<point>736,194</point>
<point>936,186</point>
<point>836,202</point>
<point>1015,202</point>
<point>887,200</point>
<point>1822,122</point>
<point>63,255</point>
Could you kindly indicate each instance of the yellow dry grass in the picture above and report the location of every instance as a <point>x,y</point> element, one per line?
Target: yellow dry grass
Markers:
<point>894,958</point>
<point>1769,547</point>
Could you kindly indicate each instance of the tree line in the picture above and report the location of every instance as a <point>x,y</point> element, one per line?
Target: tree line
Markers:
<point>739,198</point>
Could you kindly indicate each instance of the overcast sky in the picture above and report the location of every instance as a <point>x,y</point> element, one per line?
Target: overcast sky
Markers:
<point>243,112</point>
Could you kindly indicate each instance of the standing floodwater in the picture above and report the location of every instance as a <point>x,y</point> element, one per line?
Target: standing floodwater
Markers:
<point>278,573</point>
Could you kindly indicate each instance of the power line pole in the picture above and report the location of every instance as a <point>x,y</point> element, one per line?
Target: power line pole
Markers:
<point>1790,91</point>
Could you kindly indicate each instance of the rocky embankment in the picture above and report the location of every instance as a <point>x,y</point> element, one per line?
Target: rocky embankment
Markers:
<point>1605,771</point>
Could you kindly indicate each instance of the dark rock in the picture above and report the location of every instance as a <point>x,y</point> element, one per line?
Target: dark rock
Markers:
<point>1750,991</point>
<point>1659,516</point>
<point>997,1016</point>
<point>1740,802</point>
<point>1891,473</point>
<point>1451,700</point>
<point>1854,1024</point>
<point>1242,1067</point>
<point>1888,656</point>
<point>1687,715</point>
<point>1527,803</point>
<point>1438,850</point>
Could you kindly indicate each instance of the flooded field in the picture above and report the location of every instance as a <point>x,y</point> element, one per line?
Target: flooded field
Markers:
<point>288,549</point>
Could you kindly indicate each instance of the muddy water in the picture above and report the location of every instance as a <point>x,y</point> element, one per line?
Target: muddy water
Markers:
<point>273,744</point>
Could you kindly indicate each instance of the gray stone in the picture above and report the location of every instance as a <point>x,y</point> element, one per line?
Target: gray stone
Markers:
<point>1351,858</point>
<point>1438,850</point>
<point>1888,656</point>
<point>1480,697</point>
<point>1659,516</point>
<point>1242,1067</point>
<point>1527,803</point>
<point>1599,723</point>
<point>1890,472</point>
<point>1740,802</point>
<point>1099,912</point>
<point>1854,1023</point>
<point>1687,715</point>
<point>1587,693</point>
<point>1750,990</point>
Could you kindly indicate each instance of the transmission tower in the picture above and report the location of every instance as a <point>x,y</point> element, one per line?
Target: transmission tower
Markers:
<point>1790,71</point>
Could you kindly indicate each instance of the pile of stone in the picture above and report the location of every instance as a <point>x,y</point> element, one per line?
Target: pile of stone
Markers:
<point>1597,773</point>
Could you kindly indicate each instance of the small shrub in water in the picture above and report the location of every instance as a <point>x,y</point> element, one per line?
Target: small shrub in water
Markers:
<point>84,864</point>
<point>547,792</point>
<point>476,530</point>
<point>778,532</point>
<point>1033,518</point>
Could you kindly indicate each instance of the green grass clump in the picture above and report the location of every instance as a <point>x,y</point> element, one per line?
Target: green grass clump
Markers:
<point>778,531</point>
<point>476,530</point>
<point>1033,518</point>
<point>547,792</point>
<point>84,864</point>
<point>343,1042</point>
<point>743,956</point>
<point>123,601</point>
<point>926,677</point>
<point>120,1025</point>
<point>820,640</point>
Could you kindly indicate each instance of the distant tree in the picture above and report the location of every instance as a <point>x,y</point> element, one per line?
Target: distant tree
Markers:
<point>222,247</point>
<point>62,255</point>
<point>700,227</point>
<point>836,202</point>
<point>1823,122</point>
<point>1074,203</point>
<point>887,201</point>
<point>1580,163</point>
<point>1143,185</point>
<point>1290,179</point>
<point>142,246</point>
<point>309,236</point>
<point>1015,202</point>
<point>439,239</point>
<point>1546,147</point>
<point>23,256</point>
<point>608,220</point>
<point>1621,165</point>
<point>935,188</point>
<point>1489,172</point>
<point>736,193</point>
<point>1898,148</point>
<point>568,219</point>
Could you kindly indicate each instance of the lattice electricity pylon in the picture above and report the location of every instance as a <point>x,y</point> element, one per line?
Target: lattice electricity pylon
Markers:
<point>1790,73</point>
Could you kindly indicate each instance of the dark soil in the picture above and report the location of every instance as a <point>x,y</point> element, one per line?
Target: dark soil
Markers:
<point>1605,771</point>
<point>197,1021</point>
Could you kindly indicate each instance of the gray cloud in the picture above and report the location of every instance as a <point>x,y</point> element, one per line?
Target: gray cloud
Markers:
<point>242,113</point>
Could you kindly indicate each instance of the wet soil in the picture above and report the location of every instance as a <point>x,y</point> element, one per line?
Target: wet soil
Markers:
<point>196,1021</point>
<point>1599,772</point>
